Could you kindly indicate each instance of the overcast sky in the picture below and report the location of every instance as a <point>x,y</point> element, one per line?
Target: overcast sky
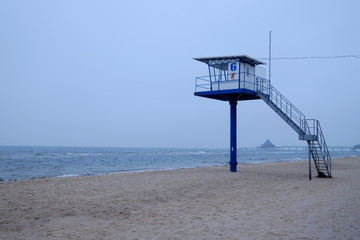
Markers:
<point>121,73</point>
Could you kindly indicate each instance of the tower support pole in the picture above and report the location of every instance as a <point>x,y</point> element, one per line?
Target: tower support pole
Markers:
<point>233,161</point>
<point>309,152</point>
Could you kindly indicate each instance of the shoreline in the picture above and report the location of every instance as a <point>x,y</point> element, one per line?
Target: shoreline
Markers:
<point>155,170</point>
<point>38,163</point>
<point>264,201</point>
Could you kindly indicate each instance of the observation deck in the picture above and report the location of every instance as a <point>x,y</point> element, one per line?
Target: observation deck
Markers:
<point>230,78</point>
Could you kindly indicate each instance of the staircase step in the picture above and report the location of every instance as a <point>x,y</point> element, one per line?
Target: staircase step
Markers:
<point>308,137</point>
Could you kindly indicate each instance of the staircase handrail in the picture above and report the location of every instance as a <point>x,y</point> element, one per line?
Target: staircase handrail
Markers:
<point>265,87</point>
<point>313,127</point>
<point>324,150</point>
<point>309,129</point>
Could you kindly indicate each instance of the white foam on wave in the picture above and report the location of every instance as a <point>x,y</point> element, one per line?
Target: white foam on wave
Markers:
<point>68,175</point>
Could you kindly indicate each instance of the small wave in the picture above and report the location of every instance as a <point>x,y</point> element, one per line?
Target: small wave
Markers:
<point>68,175</point>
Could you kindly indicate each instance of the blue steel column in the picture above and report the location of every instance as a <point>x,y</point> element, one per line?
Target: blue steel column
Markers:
<point>233,162</point>
<point>309,152</point>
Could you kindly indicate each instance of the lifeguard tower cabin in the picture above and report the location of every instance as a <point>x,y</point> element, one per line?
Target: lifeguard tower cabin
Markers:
<point>231,78</point>
<point>240,78</point>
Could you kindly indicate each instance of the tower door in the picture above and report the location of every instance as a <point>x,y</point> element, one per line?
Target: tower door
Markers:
<point>249,76</point>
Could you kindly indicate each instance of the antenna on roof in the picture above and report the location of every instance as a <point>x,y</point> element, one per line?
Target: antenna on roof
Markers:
<point>270,57</point>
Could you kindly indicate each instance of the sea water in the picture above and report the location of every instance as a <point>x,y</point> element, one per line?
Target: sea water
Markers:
<point>23,163</point>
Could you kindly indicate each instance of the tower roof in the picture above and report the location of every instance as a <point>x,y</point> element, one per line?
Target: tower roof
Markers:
<point>227,59</point>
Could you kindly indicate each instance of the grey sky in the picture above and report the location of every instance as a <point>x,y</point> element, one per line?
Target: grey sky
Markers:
<point>120,73</point>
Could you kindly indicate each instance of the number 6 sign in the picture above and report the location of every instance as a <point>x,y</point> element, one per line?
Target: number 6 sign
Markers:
<point>233,71</point>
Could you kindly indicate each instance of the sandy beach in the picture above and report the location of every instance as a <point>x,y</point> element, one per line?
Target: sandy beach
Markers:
<point>260,201</point>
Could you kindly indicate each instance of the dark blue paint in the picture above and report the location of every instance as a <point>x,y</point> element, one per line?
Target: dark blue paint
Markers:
<point>233,162</point>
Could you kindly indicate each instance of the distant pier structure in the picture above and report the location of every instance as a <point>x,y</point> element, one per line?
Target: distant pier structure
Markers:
<point>267,144</point>
<point>241,78</point>
<point>356,147</point>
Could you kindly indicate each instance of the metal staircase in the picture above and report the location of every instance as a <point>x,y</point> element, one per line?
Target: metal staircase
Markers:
<point>308,129</point>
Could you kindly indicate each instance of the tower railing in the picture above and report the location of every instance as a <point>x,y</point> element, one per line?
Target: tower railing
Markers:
<point>283,104</point>
<point>202,84</point>
<point>243,80</point>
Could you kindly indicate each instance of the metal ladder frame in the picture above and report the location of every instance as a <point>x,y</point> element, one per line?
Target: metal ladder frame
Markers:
<point>308,129</point>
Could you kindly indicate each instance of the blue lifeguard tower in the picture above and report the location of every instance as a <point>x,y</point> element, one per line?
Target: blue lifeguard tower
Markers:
<point>241,78</point>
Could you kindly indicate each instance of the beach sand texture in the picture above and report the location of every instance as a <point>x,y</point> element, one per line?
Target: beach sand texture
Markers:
<point>260,201</point>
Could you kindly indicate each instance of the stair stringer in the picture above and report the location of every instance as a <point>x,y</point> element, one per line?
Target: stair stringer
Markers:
<point>288,120</point>
<point>313,135</point>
